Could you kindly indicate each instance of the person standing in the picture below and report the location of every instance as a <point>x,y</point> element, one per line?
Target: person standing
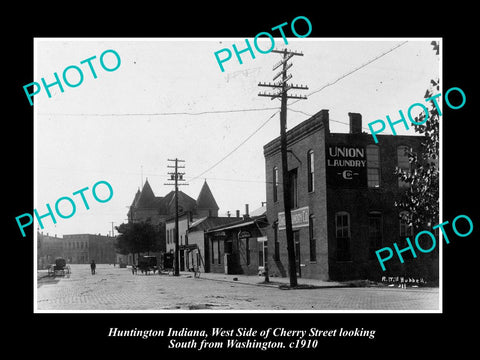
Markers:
<point>93,267</point>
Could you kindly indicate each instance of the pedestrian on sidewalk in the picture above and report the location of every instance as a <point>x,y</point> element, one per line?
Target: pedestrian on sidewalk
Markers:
<point>93,266</point>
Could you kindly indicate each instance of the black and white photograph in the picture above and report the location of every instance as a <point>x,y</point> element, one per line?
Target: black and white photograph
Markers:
<point>220,180</point>
<point>169,191</point>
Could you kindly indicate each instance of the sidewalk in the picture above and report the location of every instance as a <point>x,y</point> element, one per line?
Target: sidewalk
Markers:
<point>276,282</point>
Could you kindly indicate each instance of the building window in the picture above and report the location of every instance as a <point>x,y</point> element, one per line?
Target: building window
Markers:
<point>310,171</point>
<point>293,189</point>
<point>275,184</point>
<point>312,237</point>
<point>406,229</point>
<point>218,251</point>
<point>213,251</point>
<point>342,235</point>
<point>373,166</point>
<point>276,244</point>
<point>403,163</point>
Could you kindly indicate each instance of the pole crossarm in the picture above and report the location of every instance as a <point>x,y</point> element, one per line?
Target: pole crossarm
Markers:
<point>175,176</point>
<point>283,88</point>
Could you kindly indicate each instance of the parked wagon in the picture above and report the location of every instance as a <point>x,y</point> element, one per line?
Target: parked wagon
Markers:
<point>147,264</point>
<point>60,268</point>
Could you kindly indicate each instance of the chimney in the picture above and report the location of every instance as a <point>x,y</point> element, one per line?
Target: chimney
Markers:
<point>246,215</point>
<point>355,123</point>
<point>238,213</point>
<point>228,213</point>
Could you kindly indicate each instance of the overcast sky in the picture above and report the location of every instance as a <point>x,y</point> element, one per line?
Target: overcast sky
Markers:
<point>170,99</point>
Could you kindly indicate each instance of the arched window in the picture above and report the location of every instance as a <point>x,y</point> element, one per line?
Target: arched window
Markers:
<point>275,184</point>
<point>406,229</point>
<point>342,235</point>
<point>310,171</point>
<point>373,166</point>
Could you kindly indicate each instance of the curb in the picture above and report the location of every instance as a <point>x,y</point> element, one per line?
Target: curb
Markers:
<point>275,284</point>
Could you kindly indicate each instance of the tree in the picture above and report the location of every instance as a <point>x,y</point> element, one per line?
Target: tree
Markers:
<point>136,238</point>
<point>421,199</point>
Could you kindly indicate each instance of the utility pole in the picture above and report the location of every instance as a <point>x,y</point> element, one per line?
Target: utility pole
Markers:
<point>176,176</point>
<point>282,94</point>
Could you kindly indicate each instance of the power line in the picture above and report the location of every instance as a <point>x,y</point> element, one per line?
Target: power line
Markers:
<point>354,70</point>
<point>235,149</point>
<point>314,92</point>
<point>163,113</point>
<point>246,110</point>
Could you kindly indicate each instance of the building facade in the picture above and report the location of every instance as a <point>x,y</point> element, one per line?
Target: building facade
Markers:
<point>199,242</point>
<point>75,249</point>
<point>48,249</point>
<point>239,247</point>
<point>343,192</point>
<point>83,248</point>
<point>160,212</point>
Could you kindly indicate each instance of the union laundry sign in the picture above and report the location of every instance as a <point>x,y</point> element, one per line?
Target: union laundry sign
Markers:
<point>299,218</point>
<point>346,166</point>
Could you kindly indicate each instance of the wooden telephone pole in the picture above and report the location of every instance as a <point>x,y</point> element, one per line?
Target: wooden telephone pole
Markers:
<point>176,176</point>
<point>282,94</point>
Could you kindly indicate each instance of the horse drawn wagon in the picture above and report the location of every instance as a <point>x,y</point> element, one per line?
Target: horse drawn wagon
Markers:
<point>60,268</point>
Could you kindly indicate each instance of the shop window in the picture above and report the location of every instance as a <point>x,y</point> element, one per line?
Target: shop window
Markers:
<point>213,251</point>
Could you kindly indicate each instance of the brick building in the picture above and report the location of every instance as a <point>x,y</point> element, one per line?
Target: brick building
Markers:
<point>160,212</point>
<point>83,248</point>
<point>48,249</point>
<point>75,249</point>
<point>343,193</point>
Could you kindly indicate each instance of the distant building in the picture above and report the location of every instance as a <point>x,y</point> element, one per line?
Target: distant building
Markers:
<point>160,211</point>
<point>83,248</point>
<point>343,191</point>
<point>75,249</point>
<point>48,249</point>
<point>184,221</point>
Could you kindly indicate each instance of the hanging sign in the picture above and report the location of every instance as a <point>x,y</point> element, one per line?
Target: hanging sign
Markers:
<point>299,218</point>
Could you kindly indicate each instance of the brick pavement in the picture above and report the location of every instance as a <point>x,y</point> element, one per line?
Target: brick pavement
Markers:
<point>117,289</point>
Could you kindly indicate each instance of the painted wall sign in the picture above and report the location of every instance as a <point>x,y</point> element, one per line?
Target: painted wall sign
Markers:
<point>346,166</point>
<point>299,218</point>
